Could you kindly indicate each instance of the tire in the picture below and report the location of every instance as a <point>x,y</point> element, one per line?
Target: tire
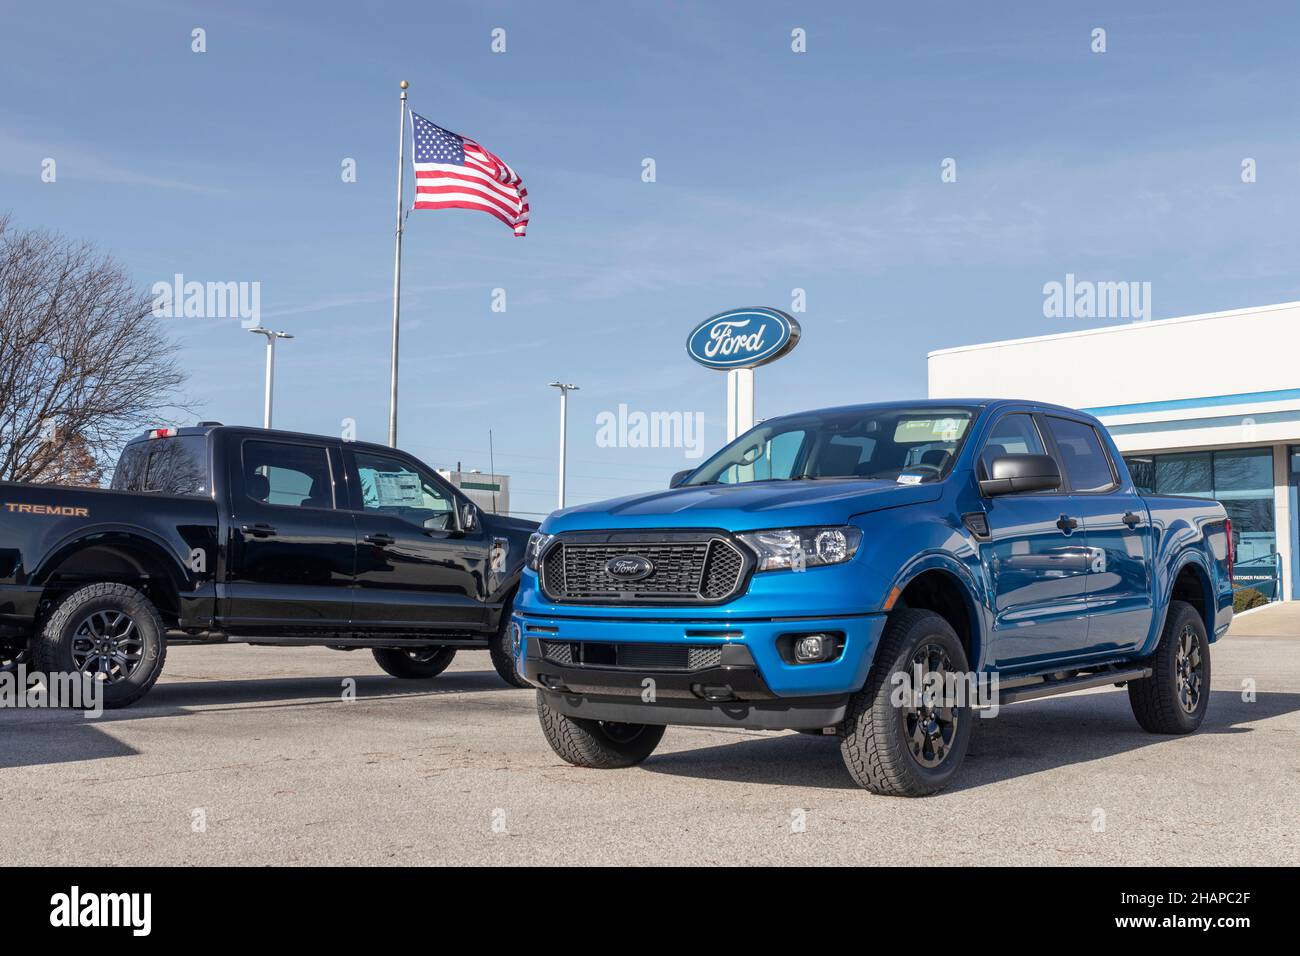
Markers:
<point>116,619</point>
<point>501,648</point>
<point>908,751</point>
<point>1174,699</point>
<point>597,744</point>
<point>414,663</point>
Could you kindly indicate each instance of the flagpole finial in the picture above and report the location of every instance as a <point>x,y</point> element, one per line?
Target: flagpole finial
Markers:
<point>404,84</point>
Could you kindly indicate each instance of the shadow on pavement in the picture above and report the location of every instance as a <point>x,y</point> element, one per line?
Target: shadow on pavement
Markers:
<point>37,737</point>
<point>54,742</point>
<point>174,695</point>
<point>1023,739</point>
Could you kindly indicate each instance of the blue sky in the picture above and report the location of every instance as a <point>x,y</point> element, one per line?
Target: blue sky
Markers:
<point>775,171</point>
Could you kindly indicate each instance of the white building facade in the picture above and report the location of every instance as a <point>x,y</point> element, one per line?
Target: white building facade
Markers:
<point>1204,405</point>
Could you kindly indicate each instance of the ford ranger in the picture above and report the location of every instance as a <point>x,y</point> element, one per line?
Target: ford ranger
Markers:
<point>218,534</point>
<point>879,573</point>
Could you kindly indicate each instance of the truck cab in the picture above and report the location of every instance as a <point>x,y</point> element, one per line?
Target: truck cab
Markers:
<point>800,577</point>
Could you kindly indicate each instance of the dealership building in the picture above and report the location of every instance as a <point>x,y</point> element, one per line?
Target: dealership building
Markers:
<point>1204,405</point>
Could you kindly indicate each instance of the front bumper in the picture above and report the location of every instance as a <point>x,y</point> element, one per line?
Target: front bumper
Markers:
<point>732,694</point>
<point>746,683</point>
<point>792,714</point>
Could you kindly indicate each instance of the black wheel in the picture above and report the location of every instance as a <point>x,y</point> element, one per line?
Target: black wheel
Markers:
<point>13,652</point>
<point>914,746</point>
<point>502,649</point>
<point>109,632</point>
<point>598,744</point>
<point>1173,700</point>
<point>414,663</point>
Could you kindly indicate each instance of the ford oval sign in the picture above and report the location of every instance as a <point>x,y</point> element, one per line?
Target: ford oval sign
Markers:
<point>629,567</point>
<point>743,338</point>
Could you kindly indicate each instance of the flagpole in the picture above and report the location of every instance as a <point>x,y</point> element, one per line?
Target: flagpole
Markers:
<point>397,273</point>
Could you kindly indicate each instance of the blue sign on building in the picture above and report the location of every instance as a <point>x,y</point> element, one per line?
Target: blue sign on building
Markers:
<point>743,338</point>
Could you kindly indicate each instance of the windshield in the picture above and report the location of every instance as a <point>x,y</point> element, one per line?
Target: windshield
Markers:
<point>907,445</point>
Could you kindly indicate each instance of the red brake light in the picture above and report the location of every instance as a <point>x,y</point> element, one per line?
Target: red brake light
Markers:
<point>162,432</point>
<point>1232,552</point>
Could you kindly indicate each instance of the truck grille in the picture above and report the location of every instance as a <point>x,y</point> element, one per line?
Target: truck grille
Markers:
<point>648,657</point>
<point>688,568</point>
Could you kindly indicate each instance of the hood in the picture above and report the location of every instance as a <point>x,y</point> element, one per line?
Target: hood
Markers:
<point>744,507</point>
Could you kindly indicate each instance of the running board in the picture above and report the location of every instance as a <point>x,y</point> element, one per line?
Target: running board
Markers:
<point>1050,688</point>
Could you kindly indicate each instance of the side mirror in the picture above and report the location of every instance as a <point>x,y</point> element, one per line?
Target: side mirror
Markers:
<point>679,476</point>
<point>1012,473</point>
<point>468,517</point>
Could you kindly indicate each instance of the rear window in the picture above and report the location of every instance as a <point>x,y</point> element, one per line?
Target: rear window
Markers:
<point>166,466</point>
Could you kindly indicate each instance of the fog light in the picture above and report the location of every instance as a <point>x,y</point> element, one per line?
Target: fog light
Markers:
<point>813,647</point>
<point>516,636</point>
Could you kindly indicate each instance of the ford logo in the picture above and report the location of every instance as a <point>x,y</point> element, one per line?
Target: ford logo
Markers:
<point>629,567</point>
<point>743,338</point>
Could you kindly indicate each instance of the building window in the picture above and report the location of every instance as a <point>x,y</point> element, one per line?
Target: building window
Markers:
<point>1241,480</point>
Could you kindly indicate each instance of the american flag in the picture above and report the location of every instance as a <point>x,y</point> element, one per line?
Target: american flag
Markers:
<point>454,172</point>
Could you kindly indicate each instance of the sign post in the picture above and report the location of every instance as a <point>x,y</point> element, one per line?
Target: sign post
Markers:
<point>737,342</point>
<point>740,401</point>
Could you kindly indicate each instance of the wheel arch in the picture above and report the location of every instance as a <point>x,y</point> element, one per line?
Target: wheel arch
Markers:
<point>1190,582</point>
<point>942,585</point>
<point>125,557</point>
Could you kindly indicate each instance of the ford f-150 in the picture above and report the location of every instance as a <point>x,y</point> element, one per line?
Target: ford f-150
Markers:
<point>216,534</point>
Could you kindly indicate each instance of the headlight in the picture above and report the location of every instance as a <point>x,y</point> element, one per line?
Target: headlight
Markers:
<point>537,543</point>
<point>799,548</point>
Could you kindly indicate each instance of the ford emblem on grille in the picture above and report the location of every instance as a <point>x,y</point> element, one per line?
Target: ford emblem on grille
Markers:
<point>629,567</point>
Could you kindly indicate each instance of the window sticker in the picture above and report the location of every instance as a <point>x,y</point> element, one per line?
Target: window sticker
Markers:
<point>930,429</point>
<point>398,489</point>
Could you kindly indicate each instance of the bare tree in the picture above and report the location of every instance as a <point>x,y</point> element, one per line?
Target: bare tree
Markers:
<point>83,362</point>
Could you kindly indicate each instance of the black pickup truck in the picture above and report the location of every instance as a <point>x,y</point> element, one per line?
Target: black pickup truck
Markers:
<point>218,534</point>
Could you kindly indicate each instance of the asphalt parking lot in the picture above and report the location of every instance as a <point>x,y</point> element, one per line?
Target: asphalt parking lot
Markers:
<point>251,756</point>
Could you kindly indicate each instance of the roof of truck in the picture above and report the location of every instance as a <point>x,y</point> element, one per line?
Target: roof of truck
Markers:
<point>205,428</point>
<point>936,403</point>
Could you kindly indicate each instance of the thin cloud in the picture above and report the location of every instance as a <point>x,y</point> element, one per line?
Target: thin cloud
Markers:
<point>21,157</point>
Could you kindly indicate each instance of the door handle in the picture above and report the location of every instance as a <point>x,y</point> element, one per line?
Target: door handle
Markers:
<point>258,530</point>
<point>381,539</point>
<point>1067,524</point>
<point>1131,520</point>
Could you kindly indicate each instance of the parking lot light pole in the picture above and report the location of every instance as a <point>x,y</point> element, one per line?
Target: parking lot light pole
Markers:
<point>564,388</point>
<point>271,336</point>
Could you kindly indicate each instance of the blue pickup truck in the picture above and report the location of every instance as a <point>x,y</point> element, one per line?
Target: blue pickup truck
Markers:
<point>880,573</point>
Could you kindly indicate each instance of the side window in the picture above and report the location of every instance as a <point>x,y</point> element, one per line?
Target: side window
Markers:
<point>783,452</point>
<point>1014,434</point>
<point>391,486</point>
<point>279,473</point>
<point>1083,458</point>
